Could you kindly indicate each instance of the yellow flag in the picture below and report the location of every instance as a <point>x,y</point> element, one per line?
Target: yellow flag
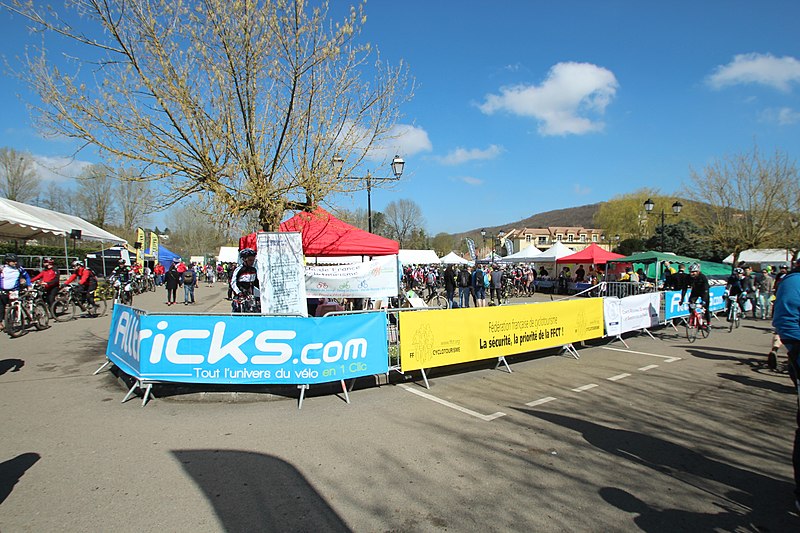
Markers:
<point>154,245</point>
<point>140,250</point>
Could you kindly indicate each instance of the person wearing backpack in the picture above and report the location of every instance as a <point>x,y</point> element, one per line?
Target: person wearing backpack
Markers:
<point>189,281</point>
<point>87,283</point>
<point>479,287</point>
<point>464,286</point>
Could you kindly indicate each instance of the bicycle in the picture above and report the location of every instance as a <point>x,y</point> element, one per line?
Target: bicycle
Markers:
<point>734,312</point>
<point>696,323</point>
<point>23,309</point>
<point>435,299</point>
<point>66,304</point>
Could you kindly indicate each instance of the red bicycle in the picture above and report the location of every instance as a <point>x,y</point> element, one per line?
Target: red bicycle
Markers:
<point>696,323</point>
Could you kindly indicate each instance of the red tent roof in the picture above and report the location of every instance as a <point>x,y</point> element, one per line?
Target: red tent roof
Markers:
<point>326,235</point>
<point>591,254</point>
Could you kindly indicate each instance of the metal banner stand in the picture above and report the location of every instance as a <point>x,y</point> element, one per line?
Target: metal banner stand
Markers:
<point>304,388</point>
<point>570,349</point>
<point>622,341</point>
<point>425,378</point>
<point>502,359</point>
<point>146,386</point>
<point>648,332</point>
<point>108,362</point>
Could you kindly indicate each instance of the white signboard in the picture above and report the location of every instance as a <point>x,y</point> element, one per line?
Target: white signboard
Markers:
<point>372,279</point>
<point>631,313</point>
<point>281,274</point>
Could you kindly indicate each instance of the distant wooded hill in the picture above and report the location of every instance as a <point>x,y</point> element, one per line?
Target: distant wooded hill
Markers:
<point>583,215</point>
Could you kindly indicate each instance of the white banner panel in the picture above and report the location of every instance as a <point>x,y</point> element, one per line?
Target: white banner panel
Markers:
<point>372,279</point>
<point>611,316</point>
<point>640,311</point>
<point>280,273</point>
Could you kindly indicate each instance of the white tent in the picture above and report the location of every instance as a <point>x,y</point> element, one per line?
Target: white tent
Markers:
<point>526,255</point>
<point>454,259</point>
<point>228,254</point>
<point>23,221</point>
<point>556,251</point>
<point>764,256</point>
<point>418,257</point>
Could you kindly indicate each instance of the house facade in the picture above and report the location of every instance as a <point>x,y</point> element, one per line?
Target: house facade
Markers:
<point>575,237</point>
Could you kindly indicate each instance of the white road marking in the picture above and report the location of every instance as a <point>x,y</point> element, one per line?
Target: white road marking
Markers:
<point>485,418</point>
<point>648,367</point>
<point>618,377</point>
<point>540,401</point>
<point>667,358</point>
<point>585,387</point>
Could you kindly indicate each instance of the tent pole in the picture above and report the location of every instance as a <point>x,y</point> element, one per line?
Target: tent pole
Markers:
<point>66,253</point>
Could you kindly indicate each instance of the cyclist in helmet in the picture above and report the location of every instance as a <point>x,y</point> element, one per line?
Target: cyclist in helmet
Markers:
<point>735,286</point>
<point>698,287</point>
<point>87,283</point>
<point>12,278</point>
<point>48,277</point>
<point>122,271</point>
<point>244,278</point>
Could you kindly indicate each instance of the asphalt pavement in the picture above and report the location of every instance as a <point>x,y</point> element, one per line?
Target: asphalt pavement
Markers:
<point>661,436</point>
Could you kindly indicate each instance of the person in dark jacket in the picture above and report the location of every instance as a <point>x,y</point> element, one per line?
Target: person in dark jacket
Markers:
<point>786,321</point>
<point>171,281</point>
<point>450,284</point>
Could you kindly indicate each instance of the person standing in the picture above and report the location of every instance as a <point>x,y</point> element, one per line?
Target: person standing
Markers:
<point>158,272</point>
<point>786,321</point>
<point>189,281</point>
<point>495,284</point>
<point>171,281</point>
<point>464,286</point>
<point>479,287</point>
<point>449,285</point>
<point>765,285</point>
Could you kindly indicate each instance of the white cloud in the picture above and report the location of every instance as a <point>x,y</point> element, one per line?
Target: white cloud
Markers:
<point>570,91</point>
<point>58,168</point>
<point>784,116</point>
<point>469,180</point>
<point>404,140</point>
<point>766,69</point>
<point>581,189</point>
<point>463,155</point>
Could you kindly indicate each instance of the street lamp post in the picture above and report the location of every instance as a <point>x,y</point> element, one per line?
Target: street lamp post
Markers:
<point>397,171</point>
<point>676,209</point>
<point>494,238</point>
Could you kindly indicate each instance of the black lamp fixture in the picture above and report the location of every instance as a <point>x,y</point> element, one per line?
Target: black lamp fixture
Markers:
<point>397,166</point>
<point>676,209</point>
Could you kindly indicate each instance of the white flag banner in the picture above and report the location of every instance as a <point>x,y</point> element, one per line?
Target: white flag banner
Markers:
<point>371,279</point>
<point>640,311</point>
<point>611,315</point>
<point>281,275</point>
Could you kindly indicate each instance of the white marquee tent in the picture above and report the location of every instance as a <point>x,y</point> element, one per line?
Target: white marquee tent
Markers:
<point>418,257</point>
<point>23,221</point>
<point>557,251</point>
<point>763,257</point>
<point>454,259</point>
<point>526,255</point>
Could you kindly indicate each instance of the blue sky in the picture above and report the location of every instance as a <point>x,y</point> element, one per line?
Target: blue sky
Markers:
<point>526,106</point>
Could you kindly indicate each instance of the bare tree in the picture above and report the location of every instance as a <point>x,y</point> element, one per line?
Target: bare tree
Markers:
<point>95,195</point>
<point>58,198</point>
<point>745,194</point>
<point>19,180</point>
<point>243,103</point>
<point>192,234</point>
<point>403,220</point>
<point>133,199</point>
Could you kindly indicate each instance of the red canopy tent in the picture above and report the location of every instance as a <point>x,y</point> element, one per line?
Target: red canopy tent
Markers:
<point>592,254</point>
<point>325,235</point>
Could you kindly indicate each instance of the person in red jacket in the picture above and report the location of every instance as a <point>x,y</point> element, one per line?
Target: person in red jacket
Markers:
<point>87,282</point>
<point>48,277</point>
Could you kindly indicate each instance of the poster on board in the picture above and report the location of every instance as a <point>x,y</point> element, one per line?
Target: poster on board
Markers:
<point>281,274</point>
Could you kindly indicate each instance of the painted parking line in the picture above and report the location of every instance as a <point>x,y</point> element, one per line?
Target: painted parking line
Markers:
<point>667,358</point>
<point>585,387</point>
<point>451,405</point>
<point>648,367</point>
<point>618,377</point>
<point>540,401</point>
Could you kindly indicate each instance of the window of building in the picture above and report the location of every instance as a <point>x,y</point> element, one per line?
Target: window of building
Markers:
<point>542,239</point>
<point>583,237</point>
<point>559,237</point>
<point>528,238</point>
<point>570,237</point>
<point>594,237</point>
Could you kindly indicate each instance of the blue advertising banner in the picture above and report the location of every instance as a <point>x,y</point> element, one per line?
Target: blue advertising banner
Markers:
<point>247,349</point>
<point>672,300</point>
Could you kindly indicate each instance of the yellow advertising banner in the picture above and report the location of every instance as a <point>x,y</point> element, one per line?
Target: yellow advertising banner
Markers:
<point>154,245</point>
<point>140,250</point>
<point>450,336</point>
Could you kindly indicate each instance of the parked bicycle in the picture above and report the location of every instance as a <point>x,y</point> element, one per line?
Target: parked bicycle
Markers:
<point>66,304</point>
<point>25,308</point>
<point>696,323</point>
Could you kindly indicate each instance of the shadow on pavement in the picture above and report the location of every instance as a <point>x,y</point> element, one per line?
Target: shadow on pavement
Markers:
<point>12,470</point>
<point>11,364</point>
<point>757,498</point>
<point>786,388</point>
<point>257,492</point>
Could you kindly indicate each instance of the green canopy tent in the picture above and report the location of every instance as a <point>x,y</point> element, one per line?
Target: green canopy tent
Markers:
<point>651,263</point>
